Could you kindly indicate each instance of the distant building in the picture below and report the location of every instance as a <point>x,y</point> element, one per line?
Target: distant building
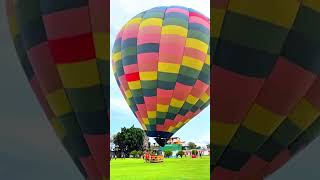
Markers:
<point>175,140</point>
<point>175,148</point>
<point>204,150</point>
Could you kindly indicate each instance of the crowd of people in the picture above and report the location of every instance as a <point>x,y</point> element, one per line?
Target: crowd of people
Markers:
<point>147,155</point>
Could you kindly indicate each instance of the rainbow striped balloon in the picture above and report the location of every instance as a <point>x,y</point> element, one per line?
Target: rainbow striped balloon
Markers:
<point>266,79</point>
<point>161,61</point>
<point>63,49</point>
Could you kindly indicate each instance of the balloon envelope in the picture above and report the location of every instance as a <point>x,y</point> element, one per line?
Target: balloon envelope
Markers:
<point>59,47</point>
<point>265,84</point>
<point>161,61</point>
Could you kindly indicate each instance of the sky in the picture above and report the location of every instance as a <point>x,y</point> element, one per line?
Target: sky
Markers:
<point>29,148</point>
<point>198,129</point>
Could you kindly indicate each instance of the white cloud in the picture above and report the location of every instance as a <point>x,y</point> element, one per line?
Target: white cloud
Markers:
<point>124,10</point>
<point>129,7</point>
<point>201,140</point>
<point>118,104</point>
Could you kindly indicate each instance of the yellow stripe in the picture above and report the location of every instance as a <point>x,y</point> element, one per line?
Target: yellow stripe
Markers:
<point>128,94</point>
<point>151,22</point>
<point>197,44</point>
<point>179,125</point>
<point>192,100</point>
<point>218,15</point>
<point>133,21</point>
<point>145,120</point>
<point>168,67</point>
<point>117,56</point>
<point>207,60</point>
<point>101,45</point>
<point>152,114</point>
<point>170,129</point>
<point>128,102</point>
<point>58,128</point>
<point>186,121</point>
<point>313,4</point>
<point>175,30</point>
<point>148,76</point>
<point>222,133</point>
<point>144,127</point>
<point>176,103</point>
<point>58,102</point>
<point>303,114</point>
<point>134,85</point>
<point>192,63</point>
<point>162,108</point>
<point>79,75</point>
<point>14,28</point>
<point>281,13</point>
<point>204,97</point>
<point>114,69</point>
<point>258,114</point>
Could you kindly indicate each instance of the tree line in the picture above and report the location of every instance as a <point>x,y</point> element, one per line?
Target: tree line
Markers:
<point>133,141</point>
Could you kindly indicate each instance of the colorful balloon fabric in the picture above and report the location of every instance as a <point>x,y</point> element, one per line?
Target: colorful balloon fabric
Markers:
<point>161,61</point>
<point>266,84</point>
<point>63,49</point>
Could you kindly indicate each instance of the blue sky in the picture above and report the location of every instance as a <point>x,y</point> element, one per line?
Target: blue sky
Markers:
<point>198,129</point>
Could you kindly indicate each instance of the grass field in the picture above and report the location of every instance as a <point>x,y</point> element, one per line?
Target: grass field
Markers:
<point>170,169</point>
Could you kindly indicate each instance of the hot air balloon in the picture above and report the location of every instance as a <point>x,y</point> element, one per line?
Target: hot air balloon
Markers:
<point>161,62</point>
<point>265,79</point>
<point>63,49</point>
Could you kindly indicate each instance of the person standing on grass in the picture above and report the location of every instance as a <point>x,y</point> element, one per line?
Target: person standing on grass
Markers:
<point>147,157</point>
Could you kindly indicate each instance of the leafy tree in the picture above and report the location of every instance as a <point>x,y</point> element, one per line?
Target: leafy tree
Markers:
<point>139,153</point>
<point>134,153</point>
<point>167,153</point>
<point>192,145</point>
<point>180,153</point>
<point>129,139</point>
<point>194,152</point>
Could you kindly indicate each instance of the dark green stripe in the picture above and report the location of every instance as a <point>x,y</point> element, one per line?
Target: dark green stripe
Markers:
<point>86,99</point>
<point>253,33</point>
<point>243,60</point>
<point>175,21</point>
<point>168,77</point>
<point>302,52</point>
<point>246,140</point>
<point>50,6</point>
<point>199,35</point>
<point>93,122</point>
<point>33,33</point>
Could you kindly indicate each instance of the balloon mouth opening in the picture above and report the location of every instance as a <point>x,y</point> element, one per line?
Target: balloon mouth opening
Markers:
<point>160,137</point>
<point>161,141</point>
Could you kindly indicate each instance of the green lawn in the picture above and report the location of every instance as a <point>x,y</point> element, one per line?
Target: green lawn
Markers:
<point>170,169</point>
